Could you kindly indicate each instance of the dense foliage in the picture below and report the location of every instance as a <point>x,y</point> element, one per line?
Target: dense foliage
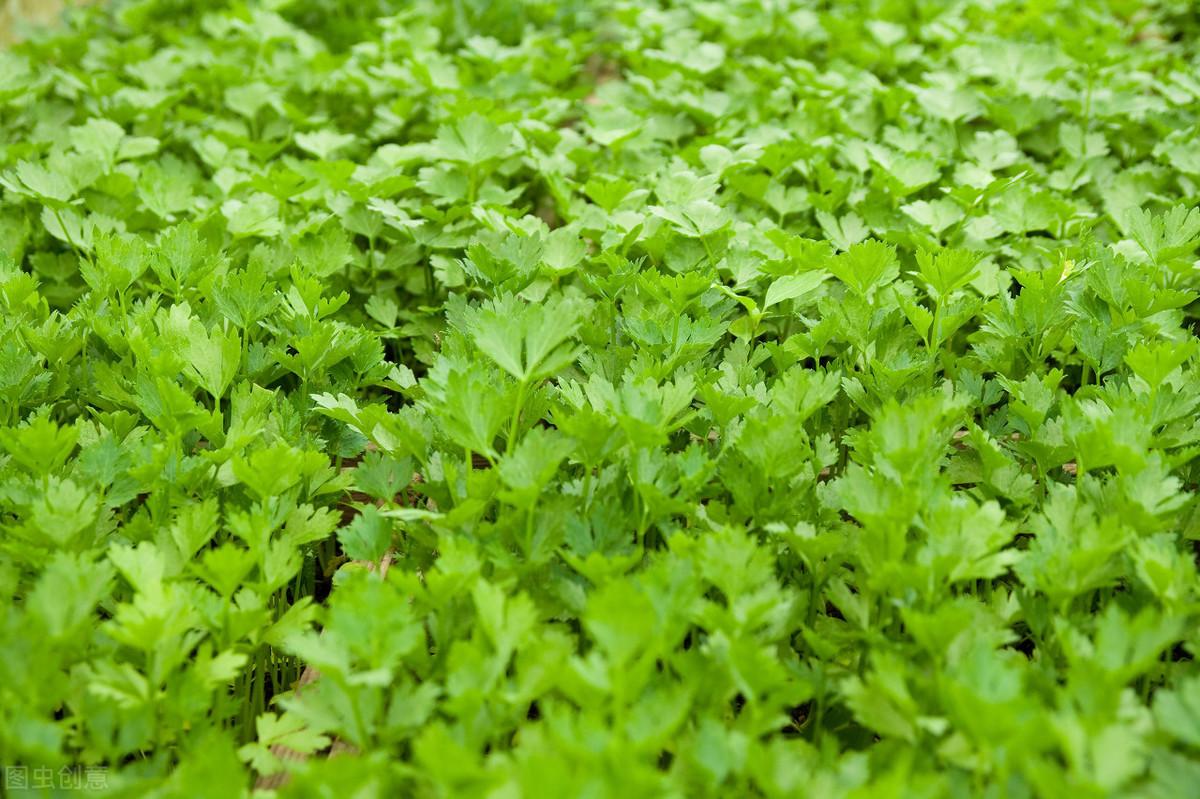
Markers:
<point>751,398</point>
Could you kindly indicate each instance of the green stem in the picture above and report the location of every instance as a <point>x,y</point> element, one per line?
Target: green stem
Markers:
<point>712,261</point>
<point>587,488</point>
<point>613,343</point>
<point>78,250</point>
<point>516,417</point>
<point>472,185</point>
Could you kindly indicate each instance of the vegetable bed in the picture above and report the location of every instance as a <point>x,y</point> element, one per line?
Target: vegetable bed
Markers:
<point>625,398</point>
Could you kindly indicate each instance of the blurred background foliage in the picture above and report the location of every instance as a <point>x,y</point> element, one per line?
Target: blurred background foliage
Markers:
<point>17,16</point>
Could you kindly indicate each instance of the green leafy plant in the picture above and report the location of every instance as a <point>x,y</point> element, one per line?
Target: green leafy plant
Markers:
<point>628,398</point>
